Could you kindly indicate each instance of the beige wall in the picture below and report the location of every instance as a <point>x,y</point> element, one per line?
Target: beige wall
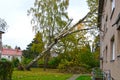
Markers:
<point>107,33</point>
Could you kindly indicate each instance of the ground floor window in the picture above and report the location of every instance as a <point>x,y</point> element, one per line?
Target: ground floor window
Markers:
<point>112,49</point>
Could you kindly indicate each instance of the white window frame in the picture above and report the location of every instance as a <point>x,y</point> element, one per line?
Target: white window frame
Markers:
<point>112,4</point>
<point>113,49</point>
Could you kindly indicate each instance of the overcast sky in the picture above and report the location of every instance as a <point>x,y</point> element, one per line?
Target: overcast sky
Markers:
<point>19,32</point>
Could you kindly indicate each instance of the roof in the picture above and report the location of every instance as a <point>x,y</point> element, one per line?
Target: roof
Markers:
<point>11,52</point>
<point>100,10</point>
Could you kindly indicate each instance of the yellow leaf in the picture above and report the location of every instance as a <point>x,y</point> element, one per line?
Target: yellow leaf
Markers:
<point>80,26</point>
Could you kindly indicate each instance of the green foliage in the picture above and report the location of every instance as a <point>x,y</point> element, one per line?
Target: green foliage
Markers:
<point>82,60</point>
<point>88,57</point>
<point>6,69</point>
<point>92,19</point>
<point>37,44</point>
<point>7,46</point>
<point>96,51</point>
<point>33,49</point>
<point>72,67</point>
<point>15,62</point>
<point>4,59</point>
<point>25,61</point>
<point>53,62</point>
<point>49,17</point>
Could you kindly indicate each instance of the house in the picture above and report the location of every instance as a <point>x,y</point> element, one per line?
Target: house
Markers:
<point>11,54</point>
<point>109,24</point>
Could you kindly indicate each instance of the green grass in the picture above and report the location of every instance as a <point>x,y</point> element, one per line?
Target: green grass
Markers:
<point>39,74</point>
<point>84,77</point>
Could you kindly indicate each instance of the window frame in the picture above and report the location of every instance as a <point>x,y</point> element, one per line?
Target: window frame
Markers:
<point>112,49</point>
<point>112,8</point>
<point>112,5</point>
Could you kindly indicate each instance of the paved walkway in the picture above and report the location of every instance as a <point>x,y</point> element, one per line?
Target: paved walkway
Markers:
<point>75,76</point>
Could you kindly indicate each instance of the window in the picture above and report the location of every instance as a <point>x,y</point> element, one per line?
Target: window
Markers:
<point>118,22</point>
<point>106,53</point>
<point>112,49</point>
<point>113,4</point>
<point>8,56</point>
<point>112,8</point>
<point>106,25</point>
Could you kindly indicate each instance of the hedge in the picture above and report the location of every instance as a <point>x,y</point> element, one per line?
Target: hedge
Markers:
<point>6,69</point>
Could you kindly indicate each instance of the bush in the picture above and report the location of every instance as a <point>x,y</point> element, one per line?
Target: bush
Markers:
<point>20,67</point>
<point>15,62</point>
<point>53,62</point>
<point>73,67</point>
<point>25,61</point>
<point>6,69</point>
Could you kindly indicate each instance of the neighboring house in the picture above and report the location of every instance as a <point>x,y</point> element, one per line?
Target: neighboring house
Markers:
<point>109,24</point>
<point>11,54</point>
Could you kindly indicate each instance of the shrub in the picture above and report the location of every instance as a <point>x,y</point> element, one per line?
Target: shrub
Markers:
<point>53,62</point>
<point>15,62</point>
<point>73,67</point>
<point>25,61</point>
<point>20,67</point>
<point>6,69</point>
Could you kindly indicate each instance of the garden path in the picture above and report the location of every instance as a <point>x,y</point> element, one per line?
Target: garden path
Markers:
<point>75,76</point>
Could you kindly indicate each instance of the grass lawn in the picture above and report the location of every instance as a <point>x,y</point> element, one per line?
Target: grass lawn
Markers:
<point>84,77</point>
<point>39,74</point>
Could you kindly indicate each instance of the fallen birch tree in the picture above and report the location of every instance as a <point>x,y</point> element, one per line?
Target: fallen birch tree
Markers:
<point>61,35</point>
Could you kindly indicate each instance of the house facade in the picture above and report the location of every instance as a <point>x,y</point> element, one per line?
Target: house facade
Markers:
<point>109,24</point>
<point>11,54</point>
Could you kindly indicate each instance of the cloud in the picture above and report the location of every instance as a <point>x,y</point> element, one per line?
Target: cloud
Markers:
<point>20,33</point>
<point>77,9</point>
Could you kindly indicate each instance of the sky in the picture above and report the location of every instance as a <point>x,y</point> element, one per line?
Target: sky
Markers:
<point>19,32</point>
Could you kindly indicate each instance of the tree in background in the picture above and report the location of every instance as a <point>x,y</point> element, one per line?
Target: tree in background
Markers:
<point>34,48</point>
<point>96,50</point>
<point>92,20</point>
<point>7,46</point>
